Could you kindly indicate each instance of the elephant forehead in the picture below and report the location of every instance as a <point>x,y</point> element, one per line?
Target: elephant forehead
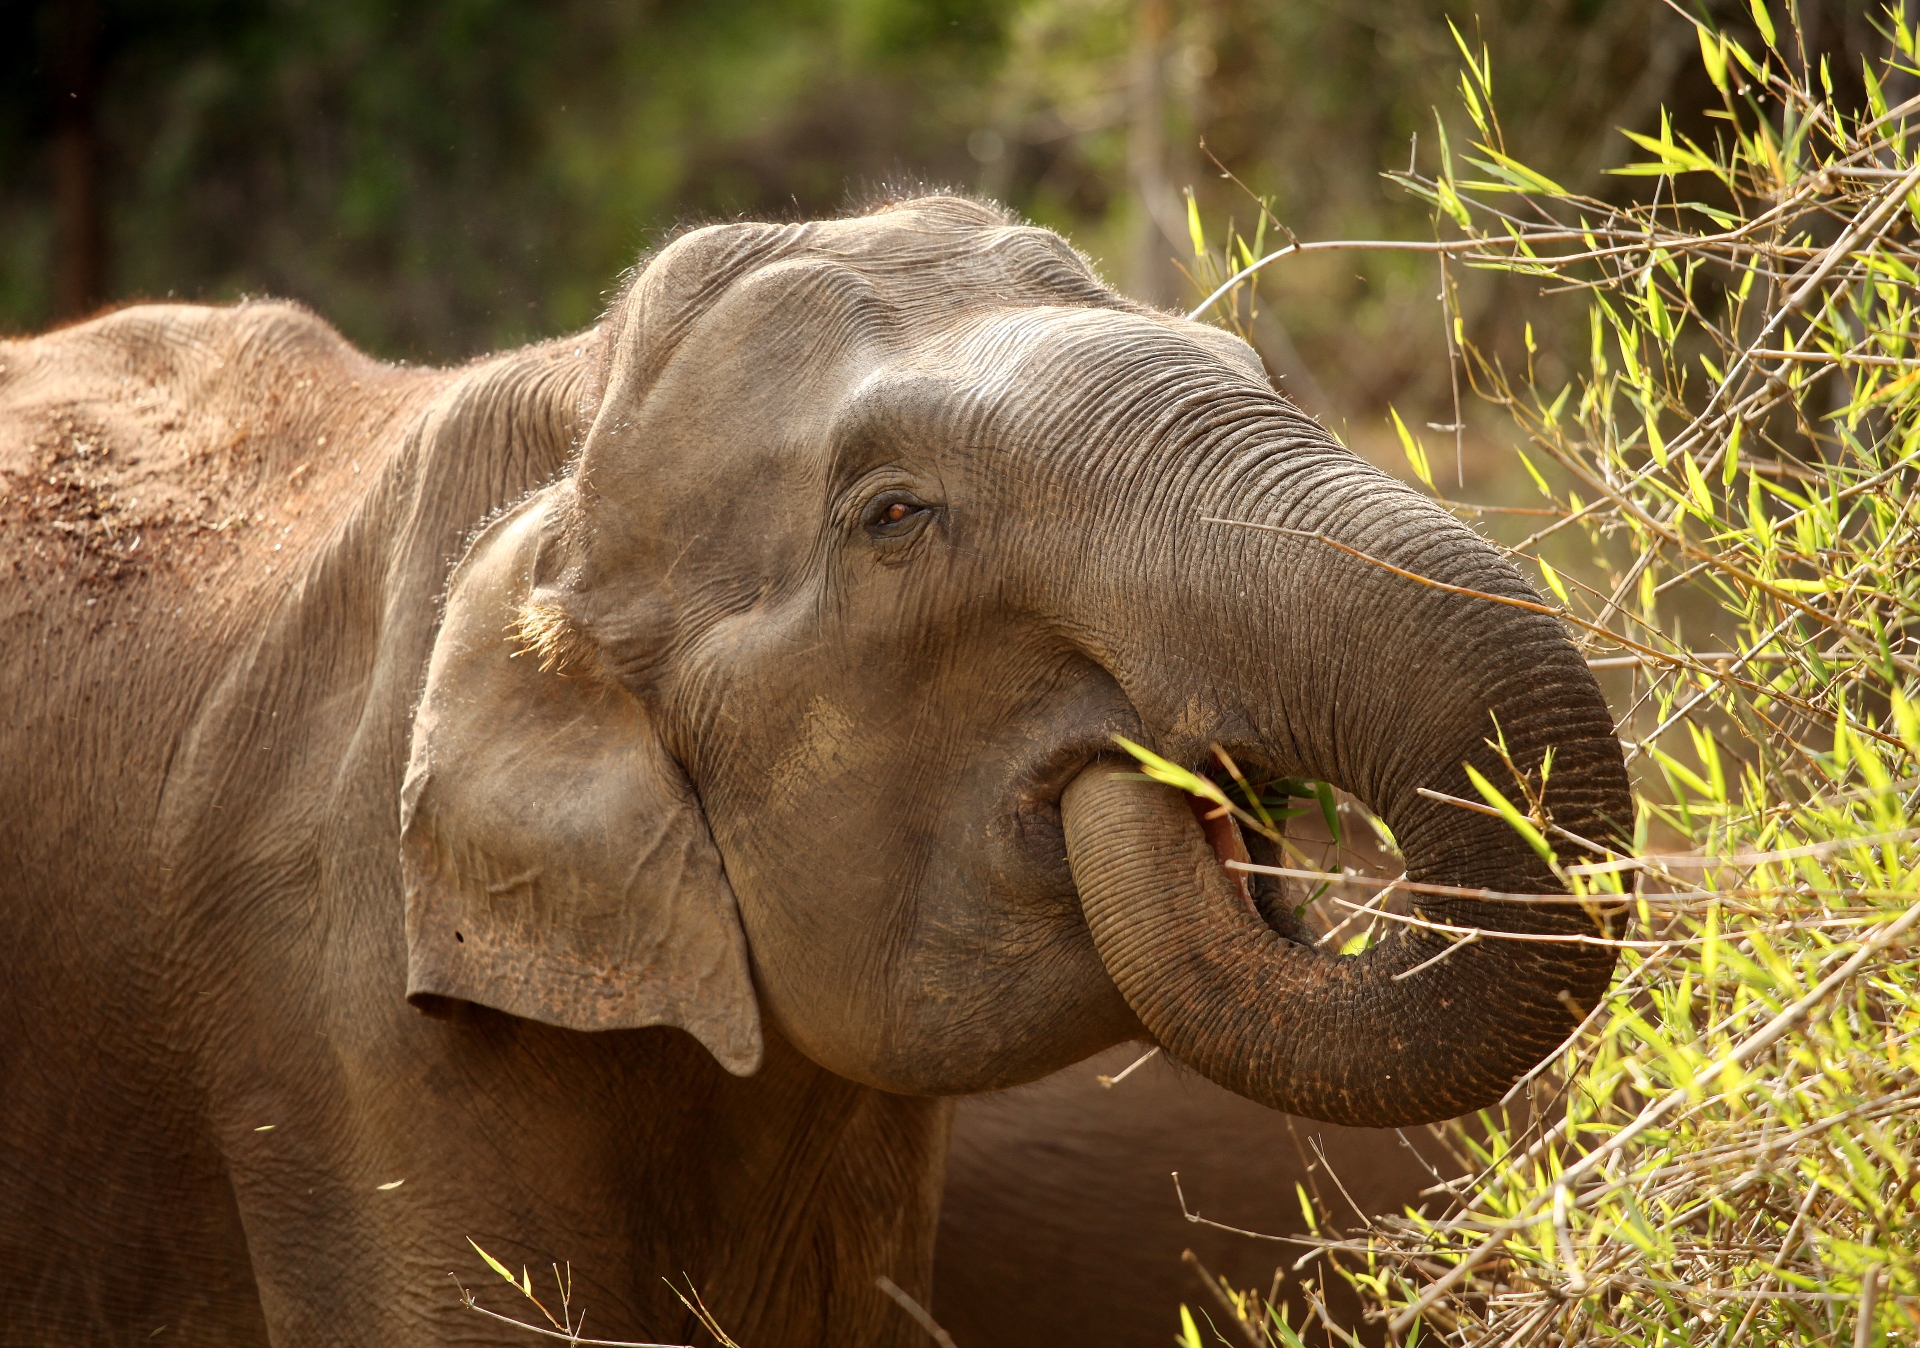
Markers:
<point>1060,363</point>
<point>810,312</point>
<point>1002,348</point>
<point>1018,380</point>
<point>939,253</point>
<point>925,260</point>
<point>1053,354</point>
<point>951,318</point>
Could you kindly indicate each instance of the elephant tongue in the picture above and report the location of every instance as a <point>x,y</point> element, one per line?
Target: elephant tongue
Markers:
<point>1223,835</point>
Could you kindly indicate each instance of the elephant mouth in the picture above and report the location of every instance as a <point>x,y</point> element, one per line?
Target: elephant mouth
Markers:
<point>1040,802</point>
<point>1223,835</point>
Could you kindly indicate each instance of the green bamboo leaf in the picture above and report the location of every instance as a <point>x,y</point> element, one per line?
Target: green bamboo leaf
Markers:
<point>1740,55</point>
<point>493,1263</point>
<point>1172,774</point>
<point>1523,177</point>
<point>1708,751</point>
<point>1279,1329</point>
<point>1464,48</point>
<point>1763,21</point>
<point>1329,810</point>
<point>1552,415</point>
<point>1554,582</point>
<point>1386,834</point>
<point>1474,110</point>
<point>1416,453</point>
<point>1907,719</point>
<point>1674,158</point>
<point>1713,55</point>
<point>1686,774</point>
<point>1876,97</point>
<point>1758,520</point>
<point>1532,472</point>
<point>1697,489</point>
<point>1517,821</point>
<point>1189,1331</point>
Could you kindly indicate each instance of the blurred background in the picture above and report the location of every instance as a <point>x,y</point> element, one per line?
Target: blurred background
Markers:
<point>444,177</point>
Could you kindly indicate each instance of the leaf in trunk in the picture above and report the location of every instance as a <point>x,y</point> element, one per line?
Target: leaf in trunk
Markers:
<point>1520,823</point>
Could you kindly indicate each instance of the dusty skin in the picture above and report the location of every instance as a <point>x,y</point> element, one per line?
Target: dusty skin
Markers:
<point>602,801</point>
<point>1060,1224</point>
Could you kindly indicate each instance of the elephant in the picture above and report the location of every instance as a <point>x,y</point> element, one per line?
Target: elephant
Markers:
<point>1060,1219</point>
<point>600,804</point>
<point>1060,1222</point>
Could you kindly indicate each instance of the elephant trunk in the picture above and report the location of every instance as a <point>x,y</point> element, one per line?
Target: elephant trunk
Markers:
<point>1307,660</point>
<point>1355,1040</point>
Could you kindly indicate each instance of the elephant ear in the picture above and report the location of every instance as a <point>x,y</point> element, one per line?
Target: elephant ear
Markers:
<point>558,865</point>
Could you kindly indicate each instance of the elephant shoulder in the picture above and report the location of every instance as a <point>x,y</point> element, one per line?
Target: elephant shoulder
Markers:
<point>159,435</point>
<point>156,433</point>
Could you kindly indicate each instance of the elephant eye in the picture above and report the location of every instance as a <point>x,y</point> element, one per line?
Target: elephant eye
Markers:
<point>894,514</point>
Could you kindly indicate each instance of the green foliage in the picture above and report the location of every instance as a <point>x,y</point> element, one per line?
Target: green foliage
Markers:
<point>567,1325</point>
<point>1728,1150</point>
<point>1260,806</point>
<point>450,176</point>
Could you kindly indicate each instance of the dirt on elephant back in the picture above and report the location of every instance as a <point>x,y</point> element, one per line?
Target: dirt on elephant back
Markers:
<point>78,505</point>
<point>163,438</point>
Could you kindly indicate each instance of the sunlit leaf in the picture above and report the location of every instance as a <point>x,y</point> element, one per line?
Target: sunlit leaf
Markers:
<point>1416,452</point>
<point>1713,55</point>
<point>1554,583</point>
<point>1172,774</point>
<point>1189,1331</point>
<point>1517,821</point>
<point>493,1263</point>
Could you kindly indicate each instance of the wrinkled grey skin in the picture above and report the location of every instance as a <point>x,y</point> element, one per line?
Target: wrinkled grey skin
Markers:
<point>770,707</point>
<point>1060,1224</point>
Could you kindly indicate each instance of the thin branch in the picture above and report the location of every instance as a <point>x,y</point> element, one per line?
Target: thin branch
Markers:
<point>914,1309</point>
<point>1750,1048</point>
<point>473,1305</point>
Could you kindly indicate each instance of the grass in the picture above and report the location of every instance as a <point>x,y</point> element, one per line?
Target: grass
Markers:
<point>1728,1151</point>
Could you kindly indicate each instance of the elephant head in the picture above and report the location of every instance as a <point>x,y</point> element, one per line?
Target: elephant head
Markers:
<point>796,695</point>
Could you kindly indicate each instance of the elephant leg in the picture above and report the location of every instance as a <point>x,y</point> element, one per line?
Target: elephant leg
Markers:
<point>116,1223</point>
<point>1061,1223</point>
<point>628,1157</point>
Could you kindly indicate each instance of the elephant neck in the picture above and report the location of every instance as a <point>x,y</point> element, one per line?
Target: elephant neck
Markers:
<point>773,1268</point>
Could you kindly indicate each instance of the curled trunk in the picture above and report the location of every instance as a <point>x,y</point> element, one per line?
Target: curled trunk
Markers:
<point>1345,1039</point>
<point>1304,659</point>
